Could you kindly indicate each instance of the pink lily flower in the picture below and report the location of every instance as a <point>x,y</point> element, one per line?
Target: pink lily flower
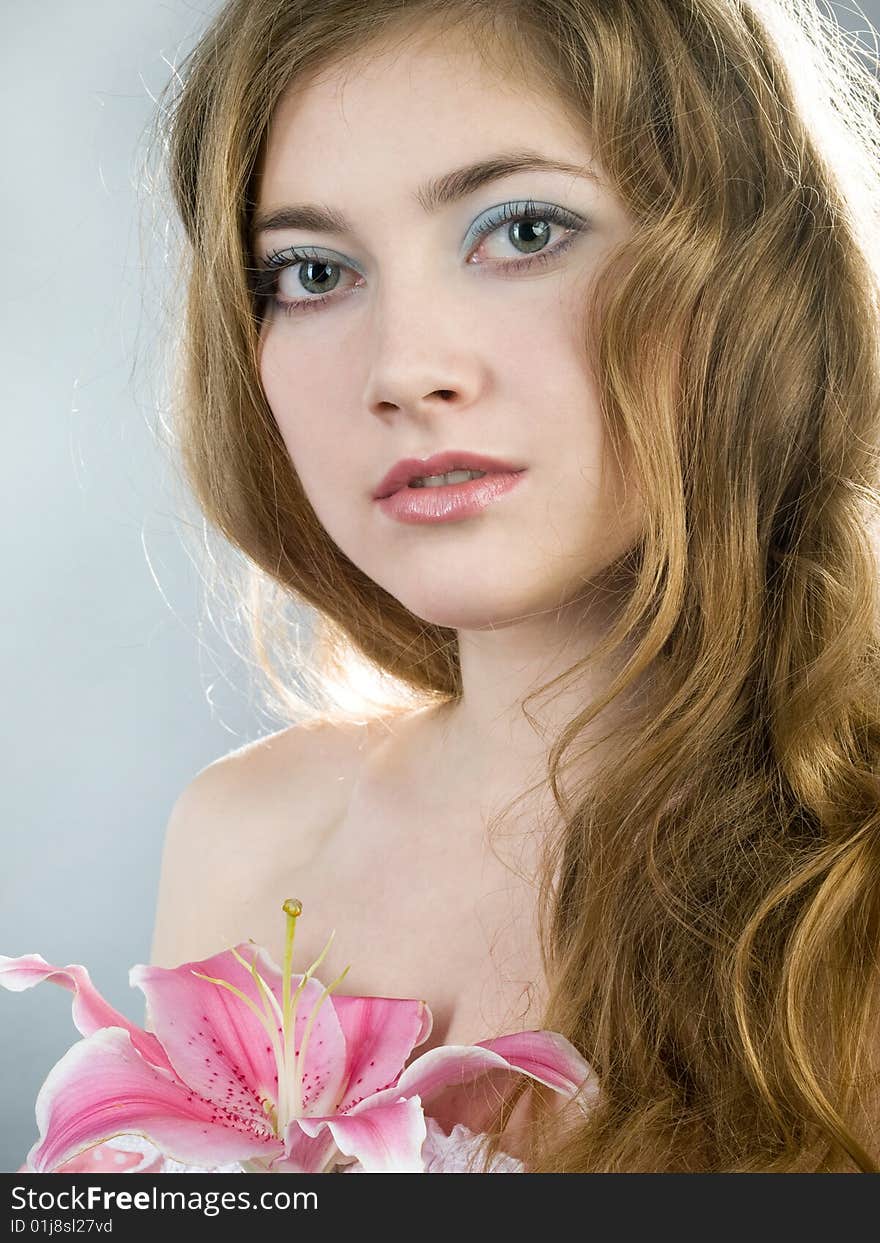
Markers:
<point>249,1064</point>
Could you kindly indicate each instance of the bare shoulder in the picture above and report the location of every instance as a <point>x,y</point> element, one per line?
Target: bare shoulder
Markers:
<point>273,799</point>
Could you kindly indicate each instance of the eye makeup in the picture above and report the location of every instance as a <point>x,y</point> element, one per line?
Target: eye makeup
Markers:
<point>527,211</point>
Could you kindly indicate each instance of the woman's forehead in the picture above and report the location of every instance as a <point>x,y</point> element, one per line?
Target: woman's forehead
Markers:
<point>440,108</point>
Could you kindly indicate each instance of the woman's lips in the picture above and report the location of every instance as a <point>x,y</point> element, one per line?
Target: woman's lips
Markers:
<point>449,502</point>
<point>408,469</point>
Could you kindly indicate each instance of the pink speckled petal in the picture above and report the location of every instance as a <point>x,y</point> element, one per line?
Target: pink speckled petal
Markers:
<point>102,1087</point>
<point>90,1011</point>
<point>218,1045</point>
<point>386,1138</point>
<point>380,1034</point>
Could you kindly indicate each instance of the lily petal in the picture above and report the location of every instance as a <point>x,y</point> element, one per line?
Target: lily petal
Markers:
<point>218,1045</point>
<point>386,1138</point>
<point>545,1056</point>
<point>549,1058</point>
<point>91,1012</point>
<point>304,1153</point>
<point>380,1034</point>
<point>102,1087</point>
<point>112,1158</point>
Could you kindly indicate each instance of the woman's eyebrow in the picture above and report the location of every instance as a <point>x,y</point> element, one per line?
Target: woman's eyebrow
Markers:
<point>434,194</point>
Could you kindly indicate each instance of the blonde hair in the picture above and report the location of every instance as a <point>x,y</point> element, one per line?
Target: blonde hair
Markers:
<point>710,903</point>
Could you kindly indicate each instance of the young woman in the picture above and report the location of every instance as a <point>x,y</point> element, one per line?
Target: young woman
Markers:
<point>620,775</point>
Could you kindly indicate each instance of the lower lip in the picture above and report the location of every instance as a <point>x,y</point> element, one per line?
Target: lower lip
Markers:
<point>449,502</point>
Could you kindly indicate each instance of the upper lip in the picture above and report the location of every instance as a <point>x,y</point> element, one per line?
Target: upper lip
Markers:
<point>407,469</point>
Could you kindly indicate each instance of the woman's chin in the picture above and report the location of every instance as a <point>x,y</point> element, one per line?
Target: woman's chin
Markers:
<point>459,611</point>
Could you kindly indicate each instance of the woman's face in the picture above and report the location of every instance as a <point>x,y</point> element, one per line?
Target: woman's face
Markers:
<point>431,338</point>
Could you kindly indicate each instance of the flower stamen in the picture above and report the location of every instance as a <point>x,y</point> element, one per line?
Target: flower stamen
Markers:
<point>279,1021</point>
<point>291,1109</point>
<point>292,908</point>
<point>298,1080</point>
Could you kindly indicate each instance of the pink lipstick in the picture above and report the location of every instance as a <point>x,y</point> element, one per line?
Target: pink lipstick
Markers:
<point>404,495</point>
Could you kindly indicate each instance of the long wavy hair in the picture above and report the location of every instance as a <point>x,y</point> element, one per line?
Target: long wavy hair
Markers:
<point>710,903</point>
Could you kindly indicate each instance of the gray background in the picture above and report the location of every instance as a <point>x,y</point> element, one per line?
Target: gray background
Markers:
<point>118,686</point>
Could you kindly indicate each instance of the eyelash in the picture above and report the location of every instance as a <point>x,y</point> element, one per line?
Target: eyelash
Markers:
<point>266,278</point>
